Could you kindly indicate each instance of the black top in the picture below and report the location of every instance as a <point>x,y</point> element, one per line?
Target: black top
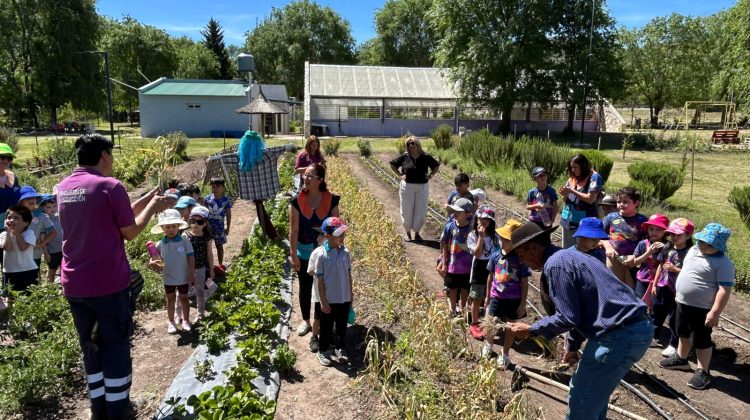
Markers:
<point>309,219</point>
<point>415,169</point>
<point>200,249</point>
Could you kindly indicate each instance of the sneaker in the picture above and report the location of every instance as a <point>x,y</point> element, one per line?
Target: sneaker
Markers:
<point>341,356</point>
<point>504,362</point>
<point>186,326</point>
<point>171,328</point>
<point>675,363</point>
<point>314,345</point>
<point>486,350</point>
<point>303,329</point>
<point>324,357</point>
<point>700,380</point>
<point>669,352</point>
<point>476,332</point>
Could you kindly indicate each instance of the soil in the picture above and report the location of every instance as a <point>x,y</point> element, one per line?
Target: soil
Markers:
<point>726,398</point>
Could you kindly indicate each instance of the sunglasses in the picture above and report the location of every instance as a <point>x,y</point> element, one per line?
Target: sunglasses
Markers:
<point>6,157</point>
<point>310,176</point>
<point>197,222</point>
<point>411,143</point>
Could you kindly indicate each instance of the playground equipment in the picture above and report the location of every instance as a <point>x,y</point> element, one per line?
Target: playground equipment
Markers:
<point>707,114</point>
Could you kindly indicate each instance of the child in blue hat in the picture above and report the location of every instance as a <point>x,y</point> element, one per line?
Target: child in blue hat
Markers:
<point>41,225</point>
<point>588,237</point>
<point>53,251</point>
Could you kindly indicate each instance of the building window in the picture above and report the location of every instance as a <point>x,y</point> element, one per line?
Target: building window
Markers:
<point>363,112</point>
<point>194,106</point>
<point>418,113</point>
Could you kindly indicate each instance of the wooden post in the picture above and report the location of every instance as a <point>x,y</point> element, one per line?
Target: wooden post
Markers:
<point>599,146</point>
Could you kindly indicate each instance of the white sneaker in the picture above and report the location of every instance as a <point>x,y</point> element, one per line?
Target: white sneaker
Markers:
<point>303,329</point>
<point>324,357</point>
<point>341,356</point>
<point>186,325</point>
<point>503,362</point>
<point>171,328</point>
<point>669,352</point>
<point>486,350</point>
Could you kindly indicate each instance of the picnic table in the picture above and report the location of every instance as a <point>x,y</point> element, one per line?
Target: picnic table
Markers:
<point>725,137</point>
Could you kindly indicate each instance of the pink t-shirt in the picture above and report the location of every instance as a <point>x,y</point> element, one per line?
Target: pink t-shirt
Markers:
<point>304,160</point>
<point>93,208</point>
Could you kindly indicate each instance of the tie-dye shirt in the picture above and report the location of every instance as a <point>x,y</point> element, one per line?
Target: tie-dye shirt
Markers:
<point>506,276</point>
<point>459,256</point>
<point>624,232</point>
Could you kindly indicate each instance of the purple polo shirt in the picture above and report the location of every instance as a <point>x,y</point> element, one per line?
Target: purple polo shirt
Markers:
<point>93,208</point>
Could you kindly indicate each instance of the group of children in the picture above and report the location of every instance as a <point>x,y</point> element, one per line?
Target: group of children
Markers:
<point>32,230</point>
<point>685,282</point>
<point>184,255</point>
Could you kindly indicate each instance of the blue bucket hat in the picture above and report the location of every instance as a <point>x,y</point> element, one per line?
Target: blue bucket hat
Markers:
<point>28,192</point>
<point>185,202</point>
<point>715,235</point>
<point>47,198</point>
<point>591,227</point>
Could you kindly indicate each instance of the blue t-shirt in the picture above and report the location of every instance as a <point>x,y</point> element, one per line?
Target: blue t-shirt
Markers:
<point>506,276</point>
<point>217,211</point>
<point>547,196</point>
<point>624,232</point>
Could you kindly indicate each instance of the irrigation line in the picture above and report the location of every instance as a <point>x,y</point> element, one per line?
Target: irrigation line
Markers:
<point>732,333</point>
<point>740,326</point>
<point>671,392</point>
<point>646,399</point>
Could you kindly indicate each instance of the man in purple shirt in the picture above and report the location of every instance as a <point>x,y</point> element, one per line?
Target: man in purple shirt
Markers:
<point>96,216</point>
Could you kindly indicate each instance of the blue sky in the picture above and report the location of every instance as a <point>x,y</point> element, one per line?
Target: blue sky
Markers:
<point>188,17</point>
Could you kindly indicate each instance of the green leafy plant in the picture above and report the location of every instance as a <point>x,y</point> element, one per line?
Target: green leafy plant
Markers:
<point>600,162</point>
<point>401,144</point>
<point>331,146</point>
<point>739,198</point>
<point>365,150</point>
<point>9,137</point>
<point>226,402</point>
<point>442,136</point>
<point>284,359</point>
<point>664,179</point>
<point>204,371</point>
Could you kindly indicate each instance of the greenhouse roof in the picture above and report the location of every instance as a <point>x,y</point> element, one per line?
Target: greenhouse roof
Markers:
<point>379,82</point>
<point>177,87</point>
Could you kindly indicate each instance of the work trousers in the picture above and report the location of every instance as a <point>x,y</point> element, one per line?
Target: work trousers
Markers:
<point>414,199</point>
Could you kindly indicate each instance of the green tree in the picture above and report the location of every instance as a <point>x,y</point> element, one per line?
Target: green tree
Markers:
<point>300,31</point>
<point>404,33</point>
<point>370,53</point>
<point>731,30</point>
<point>195,61</point>
<point>213,39</point>
<point>494,49</point>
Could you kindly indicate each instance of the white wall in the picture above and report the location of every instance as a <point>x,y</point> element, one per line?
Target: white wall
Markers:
<point>161,114</point>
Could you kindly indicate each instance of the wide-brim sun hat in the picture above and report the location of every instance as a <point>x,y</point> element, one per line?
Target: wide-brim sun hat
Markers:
<point>5,150</point>
<point>527,233</point>
<point>657,220</point>
<point>591,227</point>
<point>46,198</point>
<point>28,192</point>
<point>169,217</point>
<point>507,230</point>
<point>716,235</point>
<point>681,225</point>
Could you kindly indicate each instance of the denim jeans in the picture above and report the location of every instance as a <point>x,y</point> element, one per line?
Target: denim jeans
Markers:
<point>604,363</point>
<point>104,325</point>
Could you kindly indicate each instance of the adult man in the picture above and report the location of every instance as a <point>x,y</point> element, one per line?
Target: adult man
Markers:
<point>591,303</point>
<point>96,215</point>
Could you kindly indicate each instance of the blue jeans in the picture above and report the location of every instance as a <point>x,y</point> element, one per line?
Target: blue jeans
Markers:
<point>104,325</point>
<point>604,363</point>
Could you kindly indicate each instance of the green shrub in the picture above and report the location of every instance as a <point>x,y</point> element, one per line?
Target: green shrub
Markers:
<point>648,192</point>
<point>530,153</point>
<point>485,148</point>
<point>600,162</point>
<point>640,140</point>
<point>401,144</point>
<point>739,197</point>
<point>365,150</point>
<point>284,359</point>
<point>9,137</point>
<point>331,146</point>
<point>54,152</point>
<point>25,177</point>
<point>442,136</point>
<point>179,142</point>
<point>665,179</point>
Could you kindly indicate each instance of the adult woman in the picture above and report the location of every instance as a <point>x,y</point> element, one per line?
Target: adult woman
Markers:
<point>580,194</point>
<point>413,167</point>
<point>9,188</point>
<point>307,211</point>
<point>310,155</point>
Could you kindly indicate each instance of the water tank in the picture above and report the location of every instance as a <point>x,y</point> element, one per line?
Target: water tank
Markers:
<point>245,63</point>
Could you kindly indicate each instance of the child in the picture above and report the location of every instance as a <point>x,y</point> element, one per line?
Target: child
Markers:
<point>185,205</point>
<point>53,253</point>
<point>608,205</point>
<point>508,283</point>
<point>482,242</point>
<point>41,225</point>
<point>219,208</point>
<point>702,292</point>
<point>455,264</point>
<point>588,236</point>
<point>195,192</point>
<point>176,265</point>
<point>541,200</point>
<point>17,241</point>
<point>461,181</point>
<point>644,255</point>
<point>314,337</point>
<point>670,258</point>
<point>200,238</point>
<point>624,228</point>
<point>333,272</point>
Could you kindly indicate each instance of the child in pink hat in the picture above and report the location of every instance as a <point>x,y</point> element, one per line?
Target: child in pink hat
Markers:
<point>644,256</point>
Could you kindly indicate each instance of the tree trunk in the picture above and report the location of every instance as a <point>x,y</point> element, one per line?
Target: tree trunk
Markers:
<point>53,115</point>
<point>571,117</point>
<point>651,113</point>
<point>505,127</point>
<point>528,112</point>
<point>655,117</point>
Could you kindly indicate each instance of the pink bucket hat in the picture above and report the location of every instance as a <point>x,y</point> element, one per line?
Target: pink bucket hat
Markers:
<point>659,220</point>
<point>681,225</point>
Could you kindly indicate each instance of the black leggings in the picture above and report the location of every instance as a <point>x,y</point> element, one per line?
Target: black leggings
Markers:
<point>305,289</point>
<point>665,306</point>
<point>339,315</point>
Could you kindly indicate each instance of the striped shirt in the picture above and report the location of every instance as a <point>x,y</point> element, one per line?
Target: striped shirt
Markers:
<point>589,299</point>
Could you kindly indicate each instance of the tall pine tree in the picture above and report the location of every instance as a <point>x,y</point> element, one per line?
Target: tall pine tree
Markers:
<point>213,38</point>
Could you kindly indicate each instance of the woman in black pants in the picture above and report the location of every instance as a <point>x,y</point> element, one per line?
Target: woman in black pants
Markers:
<point>307,211</point>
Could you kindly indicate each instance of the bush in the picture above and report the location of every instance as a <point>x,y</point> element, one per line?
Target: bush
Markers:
<point>739,197</point>
<point>530,153</point>
<point>179,142</point>
<point>9,137</point>
<point>401,144</point>
<point>25,177</point>
<point>365,150</point>
<point>442,136</point>
<point>600,162</point>
<point>54,152</point>
<point>284,359</point>
<point>331,146</point>
<point>664,179</point>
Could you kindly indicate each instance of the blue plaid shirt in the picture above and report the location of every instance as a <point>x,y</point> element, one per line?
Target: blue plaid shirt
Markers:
<point>589,299</point>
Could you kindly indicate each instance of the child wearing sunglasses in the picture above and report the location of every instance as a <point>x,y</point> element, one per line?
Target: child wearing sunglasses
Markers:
<point>200,237</point>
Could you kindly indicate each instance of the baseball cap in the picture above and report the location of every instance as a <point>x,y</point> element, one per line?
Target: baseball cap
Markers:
<point>334,226</point>
<point>5,150</point>
<point>172,193</point>
<point>658,220</point>
<point>184,202</point>
<point>538,171</point>
<point>462,204</point>
<point>199,211</point>
<point>486,213</point>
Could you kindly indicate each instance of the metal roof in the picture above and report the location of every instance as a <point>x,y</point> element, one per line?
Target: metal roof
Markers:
<point>176,87</point>
<point>379,82</point>
<point>276,93</point>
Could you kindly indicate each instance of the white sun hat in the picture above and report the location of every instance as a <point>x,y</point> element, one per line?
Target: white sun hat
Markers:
<point>169,217</point>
